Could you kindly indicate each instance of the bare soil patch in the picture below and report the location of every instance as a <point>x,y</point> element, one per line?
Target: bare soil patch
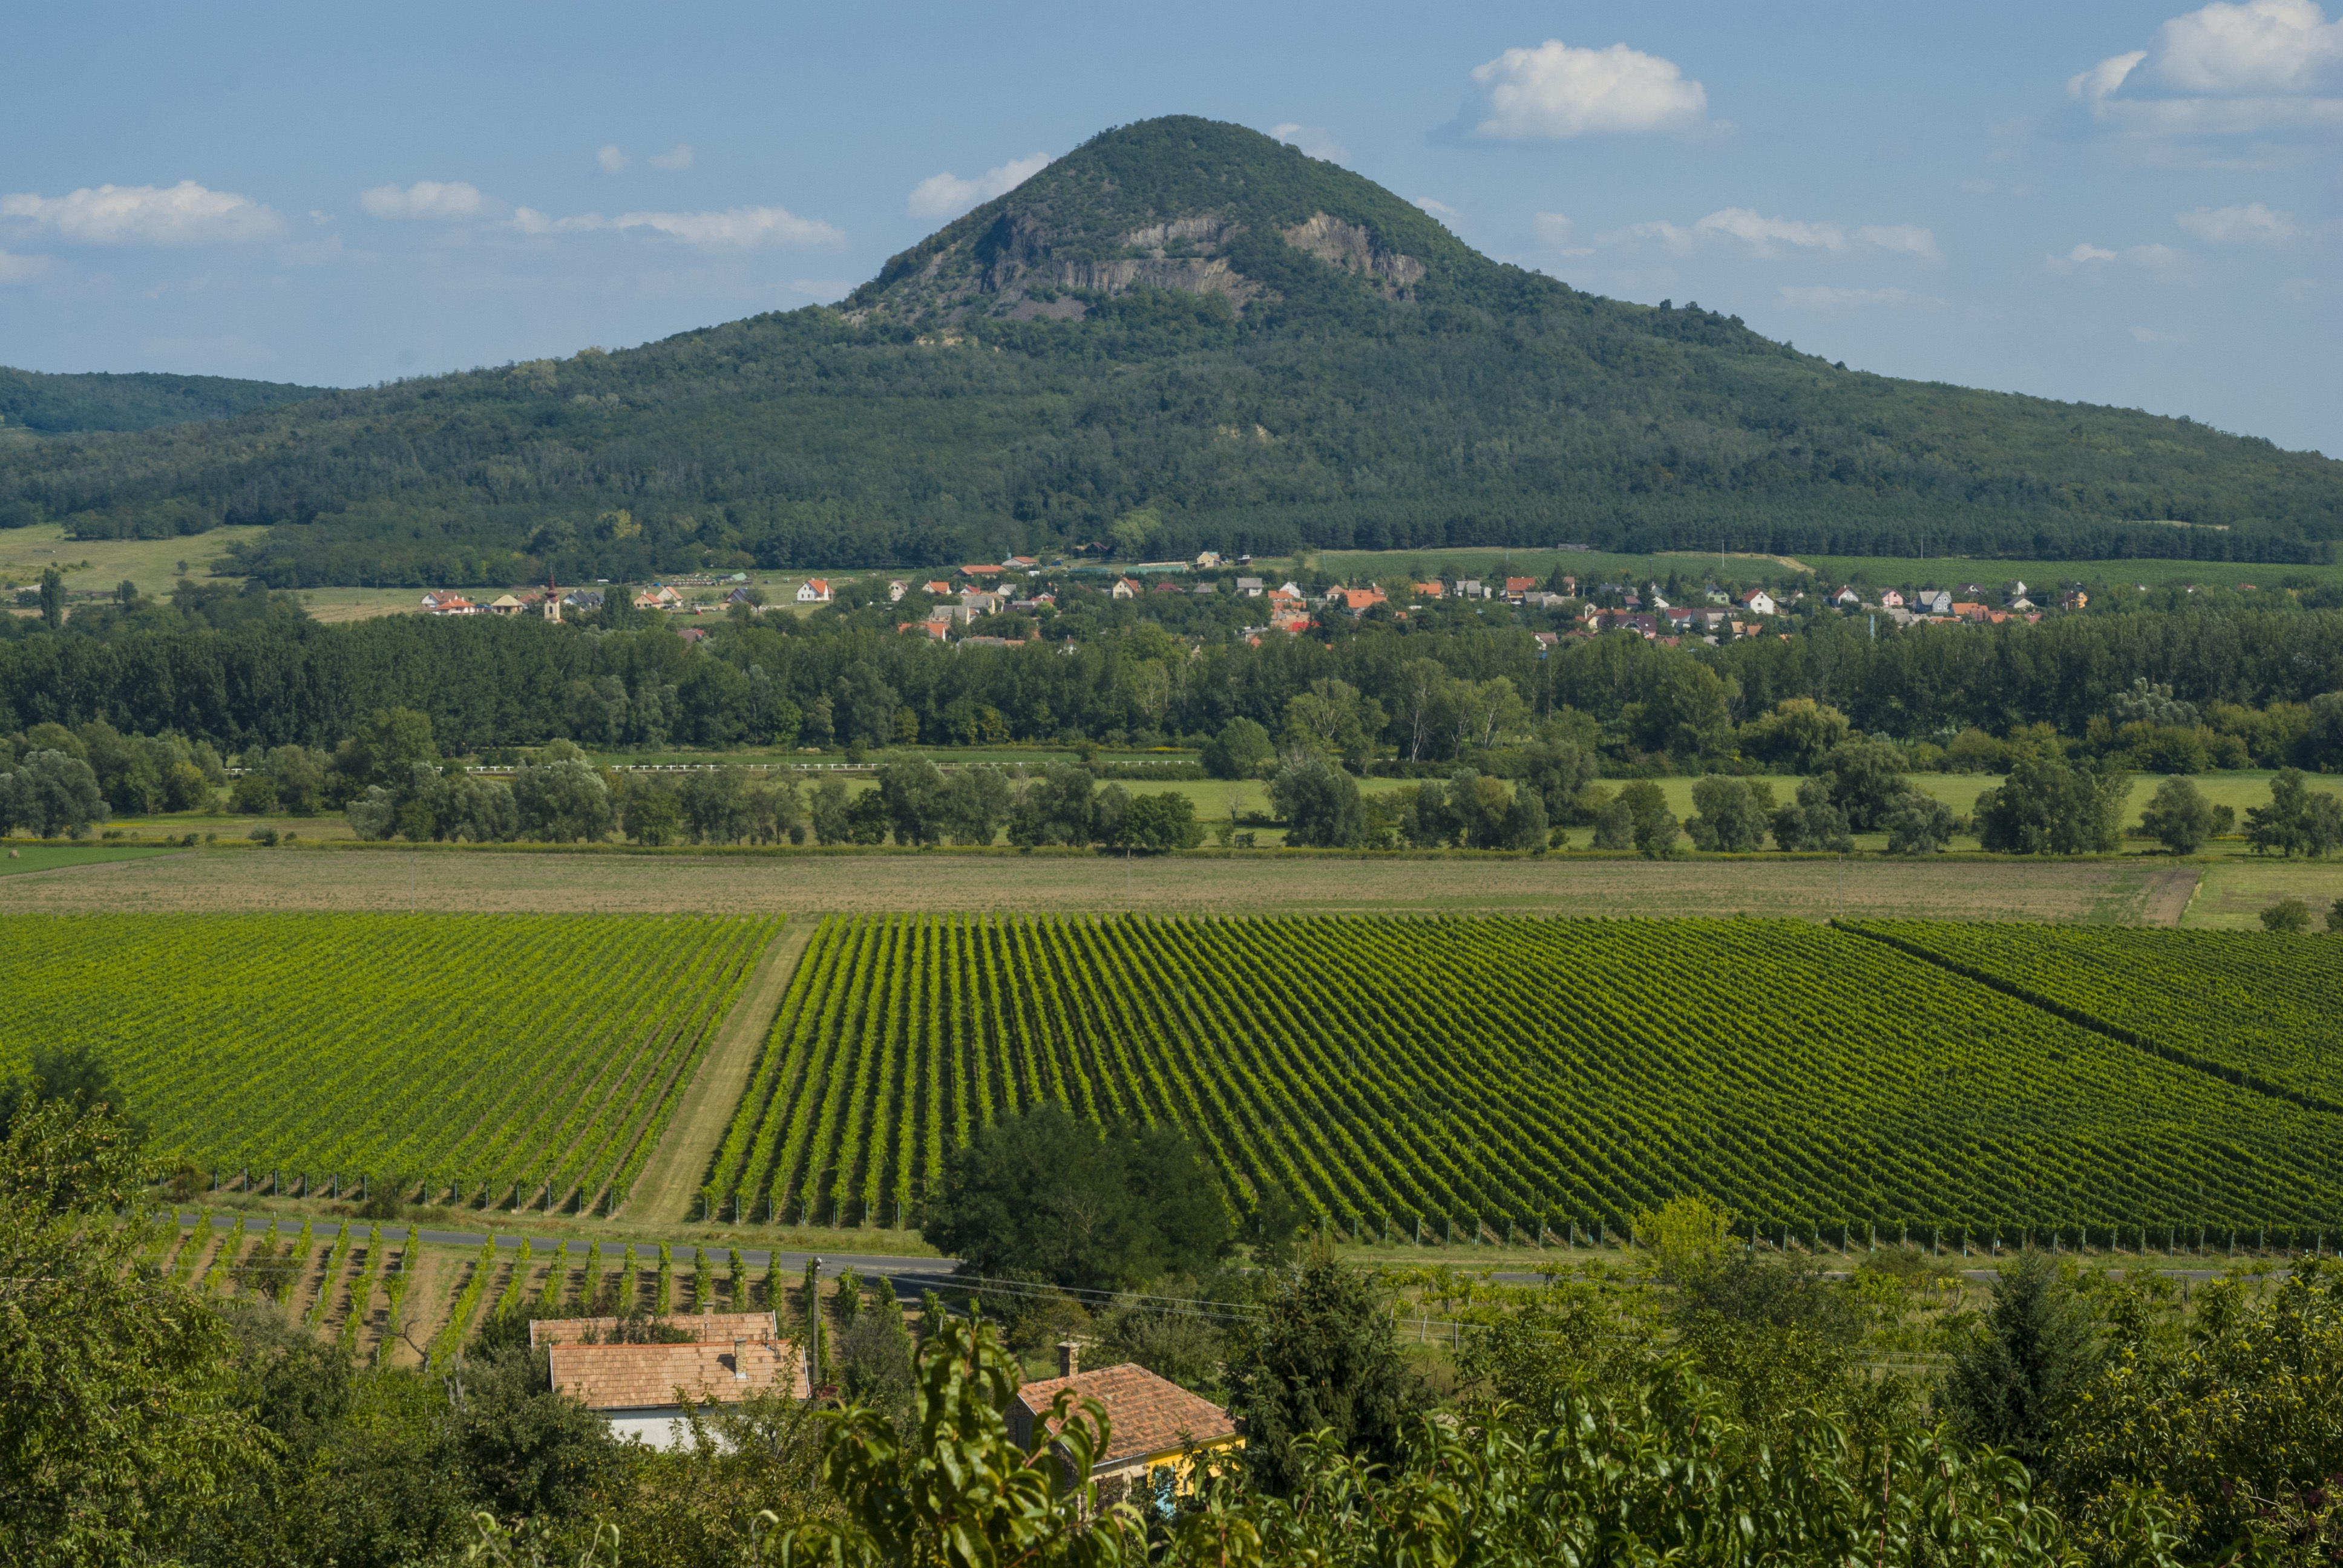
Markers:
<point>500,882</point>
<point>2167,895</point>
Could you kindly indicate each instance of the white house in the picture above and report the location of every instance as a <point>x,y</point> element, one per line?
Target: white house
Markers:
<point>1757,601</point>
<point>813,590</point>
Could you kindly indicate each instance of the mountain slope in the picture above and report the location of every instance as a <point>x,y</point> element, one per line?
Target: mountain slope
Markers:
<point>139,400</point>
<point>1245,347</point>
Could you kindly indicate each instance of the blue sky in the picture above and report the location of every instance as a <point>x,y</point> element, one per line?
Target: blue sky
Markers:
<point>2124,202</point>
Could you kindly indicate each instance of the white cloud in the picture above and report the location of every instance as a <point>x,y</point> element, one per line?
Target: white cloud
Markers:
<point>1311,139</point>
<point>948,195</point>
<point>529,221</point>
<point>21,268</point>
<point>2102,79</point>
<point>1552,228</point>
<point>741,229</point>
<point>1809,299</point>
<point>1555,91</point>
<point>1764,233</point>
<point>1907,238</point>
<point>679,158</point>
<point>1438,208</point>
<point>2260,46</point>
<point>2156,257</point>
<point>2085,255</point>
<point>2225,69</point>
<point>182,214</point>
<point>2252,223</point>
<point>2151,335</point>
<point>424,198</point>
<point>612,160</point>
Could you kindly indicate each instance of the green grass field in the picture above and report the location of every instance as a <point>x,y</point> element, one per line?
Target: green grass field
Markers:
<point>1494,1072</point>
<point>152,564</point>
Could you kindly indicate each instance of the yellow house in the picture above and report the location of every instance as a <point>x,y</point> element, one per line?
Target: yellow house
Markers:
<point>1157,1431</point>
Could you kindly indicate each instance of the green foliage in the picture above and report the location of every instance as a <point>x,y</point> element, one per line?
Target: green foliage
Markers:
<point>1653,826</point>
<point>1042,1196</point>
<point>2297,821</point>
<point>2048,808</point>
<point>1160,822</point>
<point>1734,814</point>
<point>404,1010</point>
<point>1318,802</point>
<point>141,400</point>
<point>2178,816</point>
<point>2019,1372</point>
<point>1243,749</point>
<point>1321,1357</point>
<point>2288,916</point>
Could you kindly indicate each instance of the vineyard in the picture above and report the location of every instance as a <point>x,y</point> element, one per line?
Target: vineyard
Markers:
<point>535,1060</point>
<point>1434,1077</point>
<point>2238,1002</point>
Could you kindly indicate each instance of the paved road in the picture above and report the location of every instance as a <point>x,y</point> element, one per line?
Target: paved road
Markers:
<point>914,1272</point>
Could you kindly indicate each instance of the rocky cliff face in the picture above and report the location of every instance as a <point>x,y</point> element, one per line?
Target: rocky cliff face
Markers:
<point>1168,204</point>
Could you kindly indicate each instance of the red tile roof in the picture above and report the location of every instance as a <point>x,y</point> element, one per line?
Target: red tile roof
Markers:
<point>645,1377</point>
<point>1145,1413</point>
<point>708,1327</point>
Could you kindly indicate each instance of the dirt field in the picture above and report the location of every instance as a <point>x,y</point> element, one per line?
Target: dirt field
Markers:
<point>490,880</point>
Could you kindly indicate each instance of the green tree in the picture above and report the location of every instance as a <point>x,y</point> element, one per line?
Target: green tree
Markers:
<point>1812,821</point>
<point>2019,1370</point>
<point>1243,749</point>
<point>977,802</point>
<point>1056,809</point>
<point>1160,823</point>
<point>1043,1196</point>
<point>1795,735</point>
<point>1654,827</point>
<point>652,813</point>
<point>2289,917</point>
<point>1867,782</point>
<point>2047,808</point>
<point>828,811</point>
<point>53,599</point>
<point>2297,821</point>
<point>1733,814</point>
<point>912,789</point>
<point>2178,816</point>
<point>1920,825</point>
<point>48,793</point>
<point>1318,802</point>
<point>1322,1356</point>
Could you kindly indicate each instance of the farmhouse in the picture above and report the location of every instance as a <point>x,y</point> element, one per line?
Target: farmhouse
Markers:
<point>1358,601</point>
<point>639,1388</point>
<point>1249,587</point>
<point>1157,1431</point>
<point>814,591</point>
<point>1757,601</point>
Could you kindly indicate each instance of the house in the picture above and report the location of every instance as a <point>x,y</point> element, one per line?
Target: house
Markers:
<point>450,604</point>
<point>2021,604</point>
<point>635,1387</point>
<point>693,634</point>
<point>938,590</point>
<point>1969,609</point>
<point>1358,601</point>
<point>936,628</point>
<point>2074,599</point>
<point>1470,587</point>
<point>1757,601</point>
<point>1205,588</point>
<point>980,571</point>
<point>1292,587</point>
<point>1547,639</point>
<point>895,590</point>
<point>1284,601</point>
<point>505,604</point>
<point>1891,599</point>
<point>1933,602</point>
<point>1428,590</point>
<point>1157,1431</point>
<point>747,596</point>
<point>1021,563</point>
<point>813,590</point>
<point>1543,600</point>
<point>581,599</point>
<point>657,597</point>
<point>1165,585</point>
<point>1846,597</point>
<point>1249,587</point>
<point>1124,588</point>
<point>2017,590</point>
<point>979,603</point>
<point>1209,561</point>
<point>1516,587</point>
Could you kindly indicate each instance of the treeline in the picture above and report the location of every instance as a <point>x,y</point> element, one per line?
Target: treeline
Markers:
<point>56,405</point>
<point>2169,691</point>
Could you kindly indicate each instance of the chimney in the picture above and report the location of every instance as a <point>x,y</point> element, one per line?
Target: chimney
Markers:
<point>739,1366</point>
<point>1070,1358</point>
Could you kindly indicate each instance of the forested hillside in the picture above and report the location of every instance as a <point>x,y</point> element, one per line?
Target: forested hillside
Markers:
<point>138,400</point>
<point>1182,334</point>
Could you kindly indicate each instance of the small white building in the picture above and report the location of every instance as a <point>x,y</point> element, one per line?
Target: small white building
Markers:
<point>1757,601</point>
<point>813,590</point>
